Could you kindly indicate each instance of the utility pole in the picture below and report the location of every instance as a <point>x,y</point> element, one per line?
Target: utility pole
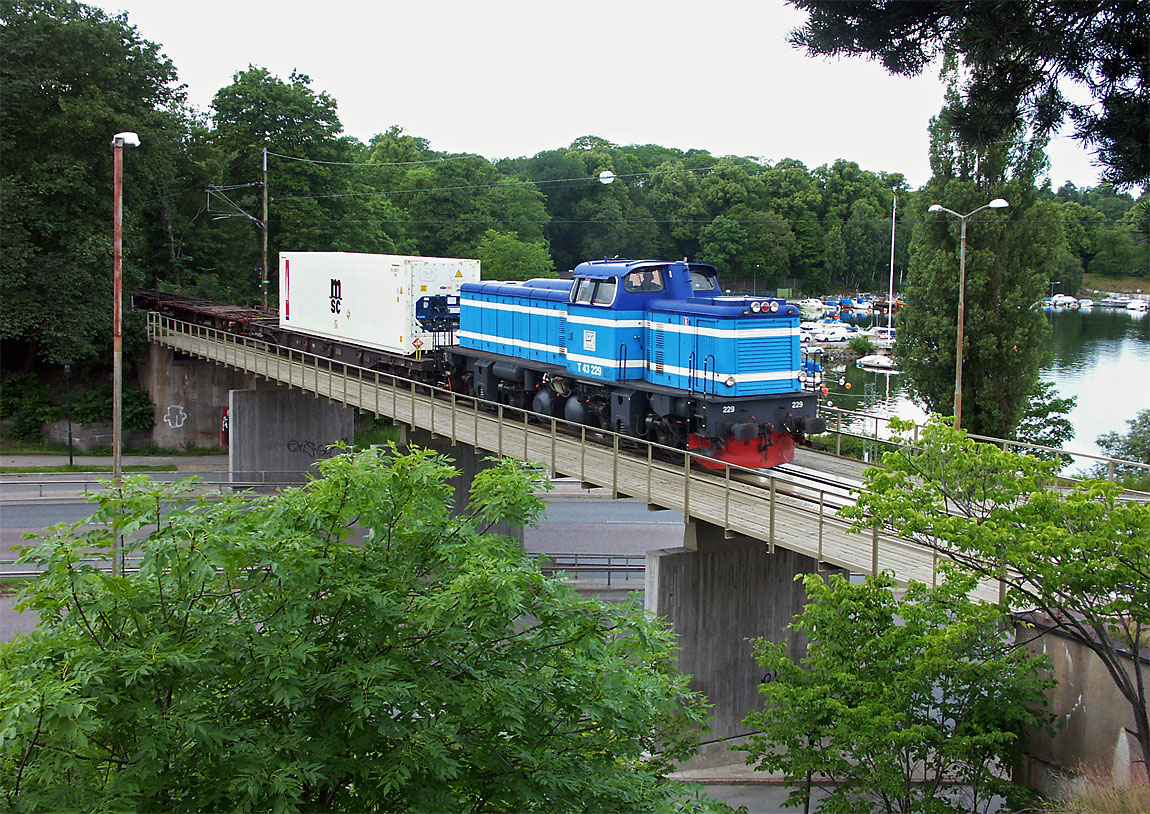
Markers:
<point>264,230</point>
<point>219,193</point>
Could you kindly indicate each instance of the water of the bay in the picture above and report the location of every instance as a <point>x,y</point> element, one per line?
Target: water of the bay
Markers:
<point>1101,356</point>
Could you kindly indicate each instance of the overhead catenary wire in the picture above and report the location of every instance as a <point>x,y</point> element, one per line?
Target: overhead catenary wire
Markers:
<point>509,184</point>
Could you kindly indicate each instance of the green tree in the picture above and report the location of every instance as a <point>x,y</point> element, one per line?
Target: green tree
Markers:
<point>769,244</point>
<point>505,257</point>
<point>792,191</point>
<point>1045,421</point>
<point>866,242</point>
<point>835,259</point>
<point>844,184</point>
<point>1064,272</point>
<point>722,243</point>
<point>1117,254</point>
<point>318,199</point>
<point>70,78</point>
<point>899,704</point>
<point>1080,224</point>
<point>1019,59</point>
<point>1078,559</point>
<point>349,645</point>
<point>1007,253</point>
<point>1133,446</point>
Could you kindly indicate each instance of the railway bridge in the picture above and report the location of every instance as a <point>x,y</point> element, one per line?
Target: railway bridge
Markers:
<point>747,534</point>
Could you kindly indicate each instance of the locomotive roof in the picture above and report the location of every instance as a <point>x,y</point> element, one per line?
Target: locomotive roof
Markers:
<point>617,267</point>
<point>555,290</point>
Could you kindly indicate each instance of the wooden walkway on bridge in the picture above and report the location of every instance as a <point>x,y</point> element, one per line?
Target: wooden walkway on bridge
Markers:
<point>759,505</point>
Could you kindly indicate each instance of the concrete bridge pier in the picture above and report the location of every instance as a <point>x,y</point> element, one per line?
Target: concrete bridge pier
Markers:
<point>719,593</point>
<point>279,435</point>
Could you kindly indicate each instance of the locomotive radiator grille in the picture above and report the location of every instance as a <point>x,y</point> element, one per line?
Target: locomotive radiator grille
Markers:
<point>656,340</point>
<point>763,353</point>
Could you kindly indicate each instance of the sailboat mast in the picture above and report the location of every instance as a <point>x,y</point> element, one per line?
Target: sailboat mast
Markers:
<point>890,288</point>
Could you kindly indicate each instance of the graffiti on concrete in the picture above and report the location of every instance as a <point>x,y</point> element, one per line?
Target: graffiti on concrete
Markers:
<point>309,448</point>
<point>175,417</point>
<point>313,450</point>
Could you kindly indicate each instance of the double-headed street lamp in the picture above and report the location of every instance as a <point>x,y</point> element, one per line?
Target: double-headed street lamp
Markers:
<point>997,203</point>
<point>118,142</point>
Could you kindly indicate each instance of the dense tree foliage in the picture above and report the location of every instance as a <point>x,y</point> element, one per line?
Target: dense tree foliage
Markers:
<point>1008,254</point>
<point>900,703</point>
<point>1018,58</point>
<point>1133,445</point>
<point>64,92</point>
<point>505,257</point>
<point>1078,558</point>
<point>350,645</point>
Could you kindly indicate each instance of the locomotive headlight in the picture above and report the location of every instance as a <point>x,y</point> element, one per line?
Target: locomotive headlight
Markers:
<point>774,306</point>
<point>756,306</point>
<point>730,382</point>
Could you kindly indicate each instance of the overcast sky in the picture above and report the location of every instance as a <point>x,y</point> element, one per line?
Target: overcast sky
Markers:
<point>507,78</point>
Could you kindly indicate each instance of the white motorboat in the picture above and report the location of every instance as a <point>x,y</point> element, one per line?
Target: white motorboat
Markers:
<point>810,308</point>
<point>1086,303</point>
<point>1138,305</point>
<point>878,363</point>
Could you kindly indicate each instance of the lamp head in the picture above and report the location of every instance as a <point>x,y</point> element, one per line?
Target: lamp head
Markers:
<point>935,208</point>
<point>998,203</point>
<point>126,139</point>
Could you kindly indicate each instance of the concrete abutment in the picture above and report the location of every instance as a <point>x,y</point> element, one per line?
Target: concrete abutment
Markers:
<point>190,396</point>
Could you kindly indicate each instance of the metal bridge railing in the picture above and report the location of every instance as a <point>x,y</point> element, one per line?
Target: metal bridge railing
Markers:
<point>617,567</point>
<point>743,503</point>
<point>854,424</point>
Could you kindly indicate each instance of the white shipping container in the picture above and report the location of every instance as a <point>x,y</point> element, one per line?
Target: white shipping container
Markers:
<point>366,299</point>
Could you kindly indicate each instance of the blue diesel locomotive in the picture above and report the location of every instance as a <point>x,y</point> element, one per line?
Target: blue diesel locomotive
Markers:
<point>649,349</point>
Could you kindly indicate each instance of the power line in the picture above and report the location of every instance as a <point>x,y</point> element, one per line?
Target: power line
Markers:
<point>374,163</point>
<point>509,184</point>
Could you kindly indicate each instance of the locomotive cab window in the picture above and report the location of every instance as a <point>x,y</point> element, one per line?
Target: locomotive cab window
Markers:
<point>703,281</point>
<point>604,293</point>
<point>584,292</point>
<point>643,281</point>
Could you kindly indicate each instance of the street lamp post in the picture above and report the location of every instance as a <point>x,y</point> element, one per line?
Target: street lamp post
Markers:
<point>997,203</point>
<point>68,408</point>
<point>118,142</point>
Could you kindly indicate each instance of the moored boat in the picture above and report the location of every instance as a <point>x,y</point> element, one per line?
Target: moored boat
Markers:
<point>880,336</point>
<point>878,363</point>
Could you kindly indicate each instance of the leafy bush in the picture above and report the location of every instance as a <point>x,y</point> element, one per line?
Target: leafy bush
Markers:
<point>95,406</point>
<point>896,690</point>
<point>861,345</point>
<point>24,398</point>
<point>349,646</point>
